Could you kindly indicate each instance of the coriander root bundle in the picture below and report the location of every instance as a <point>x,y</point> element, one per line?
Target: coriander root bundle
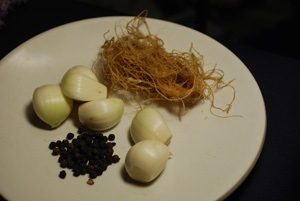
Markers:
<point>139,63</point>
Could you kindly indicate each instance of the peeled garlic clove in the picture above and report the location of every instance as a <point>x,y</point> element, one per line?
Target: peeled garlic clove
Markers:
<point>148,124</point>
<point>101,114</point>
<point>146,160</point>
<point>82,88</point>
<point>51,105</point>
<point>82,70</point>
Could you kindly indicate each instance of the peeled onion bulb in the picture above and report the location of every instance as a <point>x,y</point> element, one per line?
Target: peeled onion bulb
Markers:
<point>148,124</point>
<point>51,105</point>
<point>146,160</point>
<point>101,114</point>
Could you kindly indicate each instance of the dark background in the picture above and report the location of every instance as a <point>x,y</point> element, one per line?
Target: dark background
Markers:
<point>270,25</point>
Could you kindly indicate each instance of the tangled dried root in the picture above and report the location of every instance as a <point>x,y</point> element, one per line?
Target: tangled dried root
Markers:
<point>139,63</point>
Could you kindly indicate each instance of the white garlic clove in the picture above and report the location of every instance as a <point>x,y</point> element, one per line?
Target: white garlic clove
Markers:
<point>148,124</point>
<point>82,88</point>
<point>146,160</point>
<point>101,114</point>
<point>82,70</point>
<point>51,105</point>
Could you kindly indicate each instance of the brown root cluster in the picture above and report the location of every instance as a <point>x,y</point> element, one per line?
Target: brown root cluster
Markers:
<point>139,63</point>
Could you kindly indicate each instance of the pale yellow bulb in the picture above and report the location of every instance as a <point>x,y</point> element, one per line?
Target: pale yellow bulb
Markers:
<point>51,105</point>
<point>82,70</point>
<point>80,87</point>
<point>146,160</point>
<point>101,114</point>
<point>149,124</point>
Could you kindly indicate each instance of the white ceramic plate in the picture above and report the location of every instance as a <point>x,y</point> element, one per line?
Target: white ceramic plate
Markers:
<point>212,155</point>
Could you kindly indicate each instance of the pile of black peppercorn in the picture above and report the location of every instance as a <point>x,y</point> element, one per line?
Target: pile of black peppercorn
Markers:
<point>89,153</point>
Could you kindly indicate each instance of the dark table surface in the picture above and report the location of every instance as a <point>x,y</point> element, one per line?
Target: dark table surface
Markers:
<point>276,174</point>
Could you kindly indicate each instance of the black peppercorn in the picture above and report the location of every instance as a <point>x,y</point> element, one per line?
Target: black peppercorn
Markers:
<point>104,166</point>
<point>70,136</point>
<point>55,151</point>
<point>88,141</point>
<point>76,172</point>
<point>70,145</point>
<point>63,164</point>
<point>61,158</point>
<point>52,145</point>
<point>75,142</point>
<point>104,138</point>
<point>58,143</point>
<point>62,174</point>
<point>109,145</point>
<point>70,164</point>
<point>111,137</point>
<point>81,129</point>
<point>99,171</point>
<point>93,174</point>
<point>102,144</point>
<point>90,153</point>
<point>83,171</point>
<point>116,158</point>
